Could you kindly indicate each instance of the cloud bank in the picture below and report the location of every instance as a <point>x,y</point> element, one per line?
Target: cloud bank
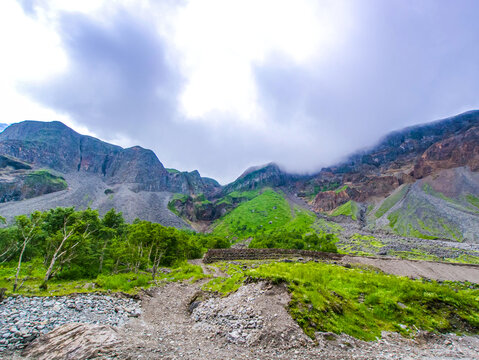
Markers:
<point>222,85</point>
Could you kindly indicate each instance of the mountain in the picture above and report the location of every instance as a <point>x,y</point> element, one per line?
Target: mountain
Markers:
<point>98,174</point>
<point>419,182</point>
<point>259,176</point>
<point>406,182</point>
<point>3,126</point>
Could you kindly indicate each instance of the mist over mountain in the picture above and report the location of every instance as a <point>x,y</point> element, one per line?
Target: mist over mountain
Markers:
<point>412,166</point>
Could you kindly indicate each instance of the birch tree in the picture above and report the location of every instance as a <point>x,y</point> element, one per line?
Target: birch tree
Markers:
<point>28,228</point>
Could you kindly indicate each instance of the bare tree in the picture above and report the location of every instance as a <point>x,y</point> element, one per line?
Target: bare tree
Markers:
<point>63,254</point>
<point>27,229</point>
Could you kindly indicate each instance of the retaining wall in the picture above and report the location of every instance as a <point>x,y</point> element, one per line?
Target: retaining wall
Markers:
<point>259,254</point>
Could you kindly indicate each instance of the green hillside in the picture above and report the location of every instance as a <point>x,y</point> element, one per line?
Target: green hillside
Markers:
<point>267,211</point>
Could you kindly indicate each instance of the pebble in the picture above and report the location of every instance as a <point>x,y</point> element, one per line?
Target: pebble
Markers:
<point>22,319</point>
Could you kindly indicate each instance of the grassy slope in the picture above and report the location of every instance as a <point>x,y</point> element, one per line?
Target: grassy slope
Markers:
<point>349,209</point>
<point>267,211</point>
<point>255,215</point>
<point>390,201</point>
<point>45,178</point>
<point>362,302</point>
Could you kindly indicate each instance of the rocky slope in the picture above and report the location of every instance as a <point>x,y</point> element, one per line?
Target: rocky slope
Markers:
<point>56,146</point>
<point>420,181</point>
<point>98,174</point>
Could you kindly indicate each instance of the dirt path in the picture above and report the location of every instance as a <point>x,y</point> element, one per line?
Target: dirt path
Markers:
<point>166,330</point>
<point>417,269</point>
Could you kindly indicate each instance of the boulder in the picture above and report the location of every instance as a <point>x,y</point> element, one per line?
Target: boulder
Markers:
<point>74,341</point>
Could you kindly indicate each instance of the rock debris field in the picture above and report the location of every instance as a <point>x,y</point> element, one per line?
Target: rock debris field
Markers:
<point>180,321</point>
<point>22,319</point>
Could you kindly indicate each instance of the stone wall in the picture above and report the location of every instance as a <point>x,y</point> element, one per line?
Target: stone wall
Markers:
<point>259,254</point>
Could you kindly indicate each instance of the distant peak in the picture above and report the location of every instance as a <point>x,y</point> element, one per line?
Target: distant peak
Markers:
<point>271,165</point>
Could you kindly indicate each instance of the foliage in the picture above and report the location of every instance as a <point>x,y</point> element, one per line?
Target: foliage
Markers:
<point>362,302</point>
<point>343,188</point>
<point>74,245</point>
<point>284,239</point>
<point>473,200</point>
<point>266,211</point>
<point>44,177</point>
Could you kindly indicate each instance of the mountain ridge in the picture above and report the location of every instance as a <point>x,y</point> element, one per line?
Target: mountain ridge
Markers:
<point>368,180</point>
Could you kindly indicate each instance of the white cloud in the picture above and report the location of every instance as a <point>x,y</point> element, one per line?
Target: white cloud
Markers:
<point>220,41</point>
<point>31,51</point>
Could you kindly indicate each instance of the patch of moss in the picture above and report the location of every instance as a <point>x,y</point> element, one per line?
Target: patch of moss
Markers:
<point>344,188</point>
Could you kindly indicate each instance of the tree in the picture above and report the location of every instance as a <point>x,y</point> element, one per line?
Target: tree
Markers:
<point>112,225</point>
<point>28,228</point>
<point>74,228</point>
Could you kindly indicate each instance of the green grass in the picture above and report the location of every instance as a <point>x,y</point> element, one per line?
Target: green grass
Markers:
<point>349,209</point>
<point>344,188</point>
<point>322,225</point>
<point>237,197</point>
<point>173,171</point>
<point>414,254</point>
<point>176,197</point>
<point>361,245</point>
<point>473,200</point>
<point>44,178</point>
<point>269,210</point>
<point>390,201</point>
<point>226,285</point>
<point>34,273</point>
<point>464,259</point>
<point>361,302</point>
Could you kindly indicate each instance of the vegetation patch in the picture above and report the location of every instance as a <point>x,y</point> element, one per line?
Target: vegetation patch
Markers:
<point>341,189</point>
<point>267,211</point>
<point>361,245</point>
<point>390,201</point>
<point>362,302</point>
<point>349,209</point>
<point>42,182</point>
<point>473,200</point>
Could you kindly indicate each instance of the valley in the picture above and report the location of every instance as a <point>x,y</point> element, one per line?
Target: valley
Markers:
<point>400,222</point>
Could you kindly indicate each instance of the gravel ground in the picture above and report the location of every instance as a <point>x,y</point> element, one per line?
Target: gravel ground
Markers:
<point>22,319</point>
<point>179,321</point>
<point>221,329</point>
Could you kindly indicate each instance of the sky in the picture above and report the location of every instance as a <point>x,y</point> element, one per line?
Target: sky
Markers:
<point>221,85</point>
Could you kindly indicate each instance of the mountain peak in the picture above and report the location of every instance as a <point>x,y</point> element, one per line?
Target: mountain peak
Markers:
<point>269,166</point>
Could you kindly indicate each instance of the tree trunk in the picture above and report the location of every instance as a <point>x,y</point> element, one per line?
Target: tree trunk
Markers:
<point>25,242</point>
<point>54,258</point>
<point>102,256</point>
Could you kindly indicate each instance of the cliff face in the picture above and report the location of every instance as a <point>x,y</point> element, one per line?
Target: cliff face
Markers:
<point>18,181</point>
<point>400,158</point>
<point>55,146</point>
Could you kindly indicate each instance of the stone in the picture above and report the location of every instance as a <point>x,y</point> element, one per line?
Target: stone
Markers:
<point>74,341</point>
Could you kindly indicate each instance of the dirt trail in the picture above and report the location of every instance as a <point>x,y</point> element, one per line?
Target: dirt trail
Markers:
<point>166,330</point>
<point>416,269</point>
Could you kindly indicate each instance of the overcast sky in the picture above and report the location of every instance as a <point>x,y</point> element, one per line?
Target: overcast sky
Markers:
<point>220,85</point>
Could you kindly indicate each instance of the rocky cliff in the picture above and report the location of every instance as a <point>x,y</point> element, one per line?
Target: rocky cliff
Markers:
<point>400,158</point>
<point>56,146</point>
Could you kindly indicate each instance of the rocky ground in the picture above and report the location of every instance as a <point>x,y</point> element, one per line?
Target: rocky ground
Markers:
<point>86,190</point>
<point>22,319</point>
<point>393,244</point>
<point>178,321</point>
